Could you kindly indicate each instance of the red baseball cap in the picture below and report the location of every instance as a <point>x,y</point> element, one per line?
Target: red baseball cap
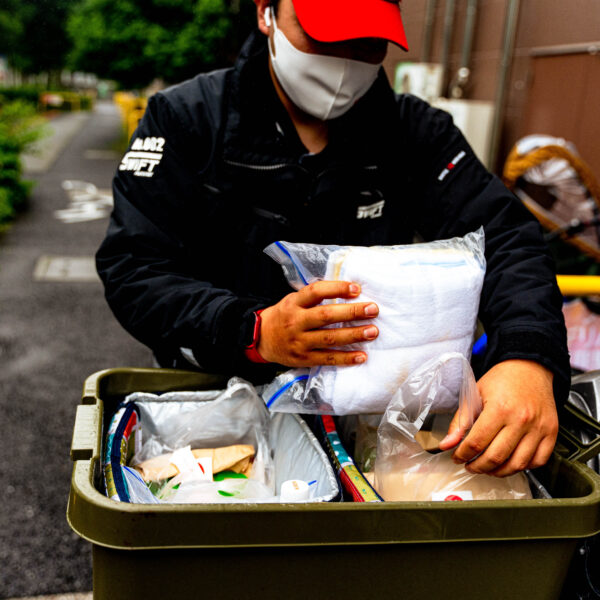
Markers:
<point>340,20</point>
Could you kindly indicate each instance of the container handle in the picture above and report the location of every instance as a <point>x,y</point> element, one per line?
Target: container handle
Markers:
<point>91,387</point>
<point>581,452</point>
<point>86,433</point>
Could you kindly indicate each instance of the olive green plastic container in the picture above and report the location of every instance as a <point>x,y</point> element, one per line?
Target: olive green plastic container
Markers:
<point>474,550</point>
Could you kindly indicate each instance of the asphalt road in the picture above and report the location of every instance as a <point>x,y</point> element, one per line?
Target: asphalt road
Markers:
<point>55,330</point>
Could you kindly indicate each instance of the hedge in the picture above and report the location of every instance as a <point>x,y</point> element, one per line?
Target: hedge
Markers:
<point>38,96</point>
<point>20,127</point>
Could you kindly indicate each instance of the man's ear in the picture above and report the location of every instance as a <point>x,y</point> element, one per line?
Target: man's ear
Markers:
<point>263,15</point>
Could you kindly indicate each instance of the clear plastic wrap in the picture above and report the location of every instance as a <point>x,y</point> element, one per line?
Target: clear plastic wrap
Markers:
<point>421,410</point>
<point>365,447</point>
<point>428,298</point>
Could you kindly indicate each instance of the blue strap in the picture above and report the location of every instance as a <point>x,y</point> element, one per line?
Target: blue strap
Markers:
<point>480,346</point>
<point>115,453</point>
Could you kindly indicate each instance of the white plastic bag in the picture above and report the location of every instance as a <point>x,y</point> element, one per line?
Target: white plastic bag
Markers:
<point>428,298</point>
<point>404,470</point>
<point>173,423</point>
<point>233,416</point>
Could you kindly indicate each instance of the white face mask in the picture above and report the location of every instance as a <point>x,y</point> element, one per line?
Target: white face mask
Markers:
<point>323,86</point>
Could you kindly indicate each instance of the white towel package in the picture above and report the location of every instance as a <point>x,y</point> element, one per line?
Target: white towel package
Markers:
<point>428,298</point>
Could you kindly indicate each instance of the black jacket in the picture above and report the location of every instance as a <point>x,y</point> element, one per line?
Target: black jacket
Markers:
<point>216,172</point>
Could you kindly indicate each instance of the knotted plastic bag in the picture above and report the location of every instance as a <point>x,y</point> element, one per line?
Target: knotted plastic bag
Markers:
<point>428,298</point>
<point>417,415</point>
<point>212,446</point>
<point>175,422</point>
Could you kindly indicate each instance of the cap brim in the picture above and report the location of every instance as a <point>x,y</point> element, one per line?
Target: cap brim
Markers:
<point>340,20</point>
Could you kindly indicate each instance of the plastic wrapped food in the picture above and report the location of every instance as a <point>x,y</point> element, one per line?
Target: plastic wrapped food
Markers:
<point>404,470</point>
<point>428,298</point>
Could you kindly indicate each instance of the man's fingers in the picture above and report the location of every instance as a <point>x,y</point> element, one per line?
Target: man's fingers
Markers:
<point>478,439</point>
<point>497,453</point>
<point>520,458</point>
<point>341,336</point>
<point>518,425</point>
<point>314,293</point>
<point>327,314</point>
<point>543,452</point>
<point>333,358</point>
<point>294,332</point>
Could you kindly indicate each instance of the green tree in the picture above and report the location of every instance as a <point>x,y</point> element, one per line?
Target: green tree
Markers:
<point>10,27</point>
<point>33,34</point>
<point>136,41</point>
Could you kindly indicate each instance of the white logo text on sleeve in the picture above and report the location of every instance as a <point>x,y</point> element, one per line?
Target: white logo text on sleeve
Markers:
<point>144,156</point>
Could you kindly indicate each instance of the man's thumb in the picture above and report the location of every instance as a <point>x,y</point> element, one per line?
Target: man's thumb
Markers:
<point>454,436</point>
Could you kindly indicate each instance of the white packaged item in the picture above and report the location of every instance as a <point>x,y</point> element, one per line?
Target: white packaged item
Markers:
<point>428,299</point>
<point>294,490</point>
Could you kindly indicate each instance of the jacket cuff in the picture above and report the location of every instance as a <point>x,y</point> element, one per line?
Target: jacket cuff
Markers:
<point>536,346</point>
<point>224,352</point>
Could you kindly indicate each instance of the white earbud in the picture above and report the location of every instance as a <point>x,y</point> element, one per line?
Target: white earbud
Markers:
<point>268,16</point>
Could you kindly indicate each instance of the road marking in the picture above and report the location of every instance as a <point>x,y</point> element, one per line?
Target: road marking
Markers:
<point>87,202</point>
<point>65,268</point>
<point>80,596</point>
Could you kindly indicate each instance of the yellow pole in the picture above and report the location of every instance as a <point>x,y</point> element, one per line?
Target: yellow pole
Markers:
<point>579,285</point>
<point>133,119</point>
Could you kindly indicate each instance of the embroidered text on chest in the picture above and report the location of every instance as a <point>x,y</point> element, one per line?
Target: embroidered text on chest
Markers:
<point>371,211</point>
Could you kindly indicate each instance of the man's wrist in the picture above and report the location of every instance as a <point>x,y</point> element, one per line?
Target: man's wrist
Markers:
<point>536,346</point>
<point>251,350</point>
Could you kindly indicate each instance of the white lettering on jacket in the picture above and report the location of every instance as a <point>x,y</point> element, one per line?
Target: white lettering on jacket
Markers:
<point>145,154</point>
<point>371,211</point>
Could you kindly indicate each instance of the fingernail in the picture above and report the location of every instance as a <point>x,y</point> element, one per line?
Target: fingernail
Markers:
<point>371,310</point>
<point>354,289</point>
<point>370,332</point>
<point>359,359</point>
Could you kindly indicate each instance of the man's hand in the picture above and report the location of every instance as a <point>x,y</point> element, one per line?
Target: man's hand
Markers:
<point>518,425</point>
<point>291,333</point>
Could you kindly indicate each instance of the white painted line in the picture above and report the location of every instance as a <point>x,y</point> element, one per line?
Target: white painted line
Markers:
<point>65,269</point>
<point>86,202</point>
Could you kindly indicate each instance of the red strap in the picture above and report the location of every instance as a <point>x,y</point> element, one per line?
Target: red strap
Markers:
<point>251,351</point>
<point>328,424</point>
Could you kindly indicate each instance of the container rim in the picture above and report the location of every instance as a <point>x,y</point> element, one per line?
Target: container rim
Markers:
<point>120,525</point>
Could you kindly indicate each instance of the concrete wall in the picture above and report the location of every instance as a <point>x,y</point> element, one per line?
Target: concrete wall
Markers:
<point>542,24</point>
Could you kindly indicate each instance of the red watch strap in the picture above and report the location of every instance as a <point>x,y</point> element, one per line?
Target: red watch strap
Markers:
<point>251,351</point>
